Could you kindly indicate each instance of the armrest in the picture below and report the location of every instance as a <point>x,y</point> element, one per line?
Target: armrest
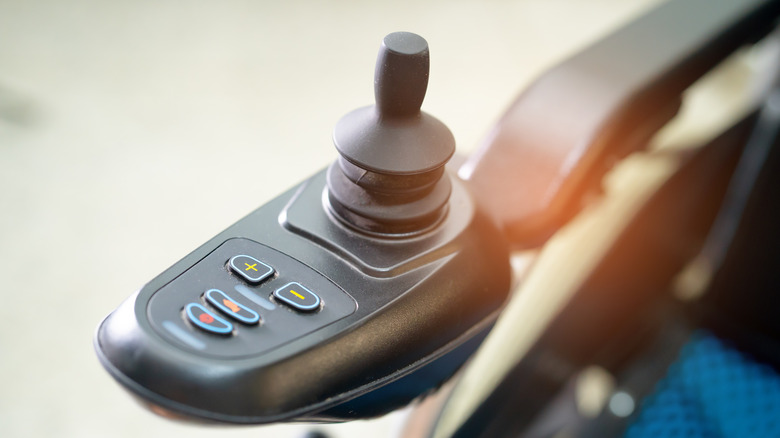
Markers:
<point>553,145</point>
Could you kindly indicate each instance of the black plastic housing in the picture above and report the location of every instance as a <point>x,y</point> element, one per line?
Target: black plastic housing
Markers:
<point>418,298</point>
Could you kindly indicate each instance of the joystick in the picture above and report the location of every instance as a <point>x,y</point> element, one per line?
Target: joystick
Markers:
<point>347,296</point>
<point>388,178</point>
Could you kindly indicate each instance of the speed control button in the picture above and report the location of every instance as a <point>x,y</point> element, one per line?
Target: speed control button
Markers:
<point>298,297</point>
<point>251,269</point>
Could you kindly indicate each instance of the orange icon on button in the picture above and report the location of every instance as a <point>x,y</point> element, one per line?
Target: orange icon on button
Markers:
<point>231,305</point>
<point>206,318</point>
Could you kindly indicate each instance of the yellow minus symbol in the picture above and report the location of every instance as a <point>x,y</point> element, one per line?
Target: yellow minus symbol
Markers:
<point>297,294</point>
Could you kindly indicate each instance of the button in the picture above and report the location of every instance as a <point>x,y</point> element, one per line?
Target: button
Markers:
<point>231,308</point>
<point>253,270</point>
<point>203,318</point>
<point>298,297</point>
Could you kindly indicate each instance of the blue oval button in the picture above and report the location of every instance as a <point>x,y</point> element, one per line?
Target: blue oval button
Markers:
<point>206,320</point>
<point>231,308</point>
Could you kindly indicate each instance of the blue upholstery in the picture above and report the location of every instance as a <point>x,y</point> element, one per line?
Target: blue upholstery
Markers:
<point>712,391</point>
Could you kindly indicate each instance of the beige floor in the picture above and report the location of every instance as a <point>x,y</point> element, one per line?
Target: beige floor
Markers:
<point>132,131</point>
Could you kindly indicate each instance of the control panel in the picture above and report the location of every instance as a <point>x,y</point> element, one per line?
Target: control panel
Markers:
<point>243,299</point>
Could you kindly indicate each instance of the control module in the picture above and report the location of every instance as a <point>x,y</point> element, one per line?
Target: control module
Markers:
<point>356,291</point>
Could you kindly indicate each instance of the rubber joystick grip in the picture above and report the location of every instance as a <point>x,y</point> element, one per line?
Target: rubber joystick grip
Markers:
<point>390,176</point>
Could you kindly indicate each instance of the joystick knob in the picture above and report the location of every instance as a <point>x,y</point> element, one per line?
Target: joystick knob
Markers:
<point>389,178</point>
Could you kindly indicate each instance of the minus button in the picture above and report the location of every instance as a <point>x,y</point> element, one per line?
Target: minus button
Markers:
<point>298,297</point>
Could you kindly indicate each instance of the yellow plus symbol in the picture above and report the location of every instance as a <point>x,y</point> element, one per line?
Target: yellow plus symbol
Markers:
<point>252,267</point>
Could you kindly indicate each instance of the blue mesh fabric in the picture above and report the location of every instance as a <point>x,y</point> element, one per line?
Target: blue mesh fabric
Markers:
<point>712,391</point>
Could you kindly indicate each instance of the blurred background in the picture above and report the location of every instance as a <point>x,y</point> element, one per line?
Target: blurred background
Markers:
<point>133,131</point>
